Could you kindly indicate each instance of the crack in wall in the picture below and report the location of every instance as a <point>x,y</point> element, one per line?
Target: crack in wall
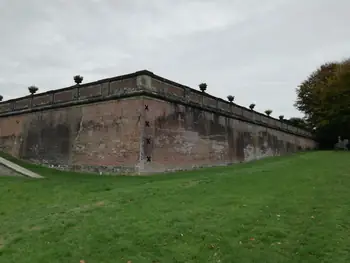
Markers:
<point>75,144</point>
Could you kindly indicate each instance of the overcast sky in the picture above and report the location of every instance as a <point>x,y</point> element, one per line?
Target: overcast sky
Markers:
<point>257,50</point>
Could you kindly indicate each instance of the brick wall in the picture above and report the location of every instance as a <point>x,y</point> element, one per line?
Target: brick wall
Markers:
<point>139,122</point>
<point>100,137</point>
<point>183,137</point>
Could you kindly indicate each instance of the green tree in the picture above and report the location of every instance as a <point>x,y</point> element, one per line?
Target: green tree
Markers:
<point>324,98</point>
<point>298,122</point>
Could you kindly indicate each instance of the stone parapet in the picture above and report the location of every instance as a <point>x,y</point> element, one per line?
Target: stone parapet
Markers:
<point>141,83</point>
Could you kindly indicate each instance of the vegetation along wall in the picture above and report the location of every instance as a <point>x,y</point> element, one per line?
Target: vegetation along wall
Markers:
<point>140,123</point>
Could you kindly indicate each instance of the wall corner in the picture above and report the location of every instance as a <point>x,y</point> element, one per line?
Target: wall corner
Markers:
<point>140,167</point>
<point>144,82</point>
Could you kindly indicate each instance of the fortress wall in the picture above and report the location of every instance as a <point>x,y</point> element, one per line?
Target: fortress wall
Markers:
<point>95,137</point>
<point>76,128</point>
<point>140,123</point>
<point>183,137</point>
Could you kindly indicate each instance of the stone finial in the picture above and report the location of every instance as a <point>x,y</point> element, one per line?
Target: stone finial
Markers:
<point>230,98</point>
<point>33,89</point>
<point>268,112</point>
<point>78,79</point>
<point>203,87</point>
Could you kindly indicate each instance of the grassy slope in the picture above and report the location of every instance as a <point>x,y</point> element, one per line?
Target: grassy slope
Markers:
<point>285,209</point>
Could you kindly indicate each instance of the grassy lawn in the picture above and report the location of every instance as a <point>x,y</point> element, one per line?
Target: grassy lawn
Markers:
<point>284,209</point>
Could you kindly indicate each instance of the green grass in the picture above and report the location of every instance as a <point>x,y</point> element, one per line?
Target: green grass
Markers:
<point>284,209</point>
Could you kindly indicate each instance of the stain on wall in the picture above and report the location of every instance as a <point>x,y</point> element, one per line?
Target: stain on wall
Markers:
<point>185,137</point>
<point>139,123</point>
<point>94,137</point>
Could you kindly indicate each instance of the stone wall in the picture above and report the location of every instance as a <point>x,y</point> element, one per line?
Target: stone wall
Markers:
<point>93,127</point>
<point>182,137</point>
<point>186,128</point>
<point>139,123</point>
<point>94,137</point>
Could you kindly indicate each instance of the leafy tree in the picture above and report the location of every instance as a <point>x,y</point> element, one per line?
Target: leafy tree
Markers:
<point>298,122</point>
<point>324,98</point>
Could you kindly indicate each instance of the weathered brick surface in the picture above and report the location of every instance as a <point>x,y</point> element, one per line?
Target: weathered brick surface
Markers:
<point>118,126</point>
<point>105,89</point>
<point>11,129</point>
<point>184,137</point>
<point>210,102</point>
<point>175,91</point>
<point>22,104</point>
<point>245,113</point>
<point>194,97</point>
<point>5,107</point>
<point>170,90</point>
<point>94,137</point>
<point>119,87</point>
<point>224,106</point>
<point>42,100</point>
<point>63,96</point>
<point>90,91</point>
<point>108,134</point>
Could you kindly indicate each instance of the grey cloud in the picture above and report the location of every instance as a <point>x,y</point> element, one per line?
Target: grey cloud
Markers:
<point>258,51</point>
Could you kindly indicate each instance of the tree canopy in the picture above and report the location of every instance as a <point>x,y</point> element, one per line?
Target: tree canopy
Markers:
<point>324,98</point>
<point>298,122</point>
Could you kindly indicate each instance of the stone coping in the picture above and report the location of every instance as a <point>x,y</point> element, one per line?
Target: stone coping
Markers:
<point>140,83</point>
